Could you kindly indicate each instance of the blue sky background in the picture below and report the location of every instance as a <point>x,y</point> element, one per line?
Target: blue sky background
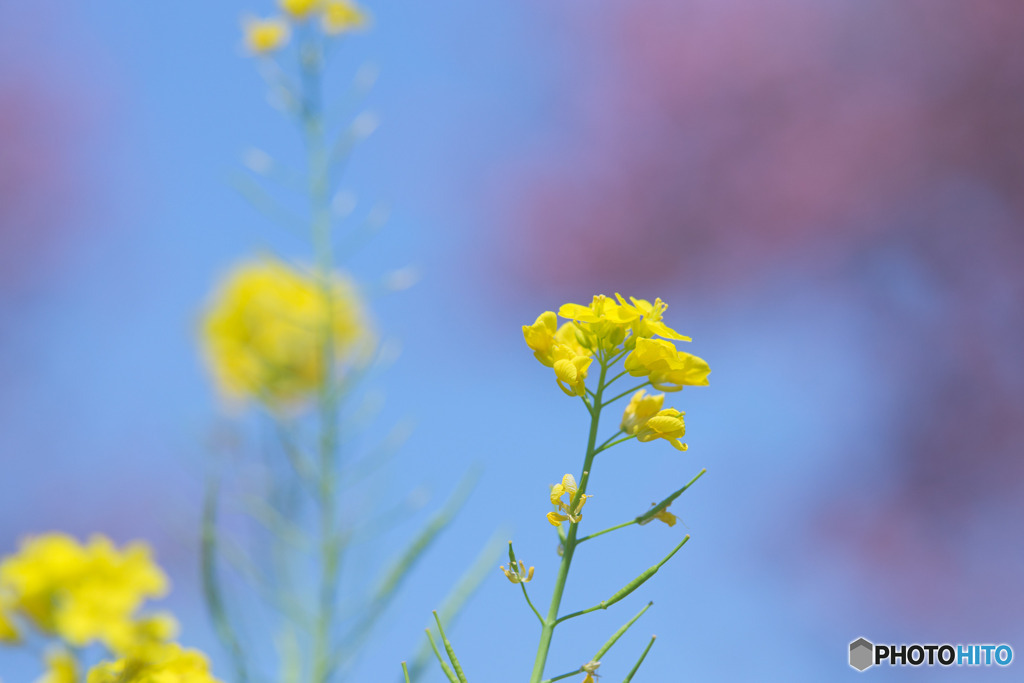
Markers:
<point>106,422</point>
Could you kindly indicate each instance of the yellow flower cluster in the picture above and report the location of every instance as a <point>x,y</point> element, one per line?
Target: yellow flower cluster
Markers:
<point>611,326</point>
<point>645,419</point>
<point>566,511</point>
<point>266,329</point>
<point>83,593</point>
<point>90,593</point>
<point>168,664</point>
<point>263,36</point>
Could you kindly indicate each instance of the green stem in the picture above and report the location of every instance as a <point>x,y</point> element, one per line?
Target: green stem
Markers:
<point>640,661</point>
<point>212,586</point>
<point>629,587</point>
<point>618,634</point>
<point>608,445</point>
<point>609,529</point>
<point>530,603</point>
<point>624,393</point>
<point>551,620</point>
<point>319,196</point>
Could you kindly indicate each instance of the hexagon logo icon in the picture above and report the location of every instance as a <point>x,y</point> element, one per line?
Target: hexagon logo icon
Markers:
<point>862,654</point>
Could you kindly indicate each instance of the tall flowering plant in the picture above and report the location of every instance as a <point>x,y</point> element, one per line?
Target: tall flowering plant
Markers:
<point>594,354</point>
<point>298,340</point>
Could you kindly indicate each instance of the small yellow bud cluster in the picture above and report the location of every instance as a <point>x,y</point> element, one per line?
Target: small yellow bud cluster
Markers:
<point>566,488</point>
<point>264,36</point>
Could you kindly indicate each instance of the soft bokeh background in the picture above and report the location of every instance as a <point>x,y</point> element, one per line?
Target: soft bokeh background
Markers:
<point>828,194</point>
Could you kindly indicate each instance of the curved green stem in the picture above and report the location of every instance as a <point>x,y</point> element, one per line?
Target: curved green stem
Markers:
<point>530,603</point>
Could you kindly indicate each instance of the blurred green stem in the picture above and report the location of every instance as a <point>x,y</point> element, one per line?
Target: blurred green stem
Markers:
<point>320,220</point>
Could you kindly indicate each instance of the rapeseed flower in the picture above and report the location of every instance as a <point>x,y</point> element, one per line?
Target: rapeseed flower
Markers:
<point>648,322</point>
<point>263,36</point>
<point>265,332</point>
<point>604,319</point>
<point>560,348</point>
<point>61,667</point>
<point>544,335</point>
<point>300,10</point>
<point>667,368</point>
<point>567,488</point>
<point>665,424</point>
<point>81,593</point>
<point>8,629</point>
<point>342,16</point>
<point>641,408</point>
<point>168,664</point>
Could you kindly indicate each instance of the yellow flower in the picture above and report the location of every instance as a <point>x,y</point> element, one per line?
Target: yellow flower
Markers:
<point>518,573</point>
<point>665,424</point>
<point>168,664</point>
<point>560,348</point>
<point>8,629</point>
<point>544,335</point>
<point>570,370</point>
<point>668,368</point>
<point>566,488</point>
<point>649,321</point>
<point>641,408</point>
<point>133,637</point>
<point>603,318</point>
<point>263,36</point>
<point>341,16</point>
<point>265,332</point>
<point>61,667</point>
<point>299,10</point>
<point>83,594</point>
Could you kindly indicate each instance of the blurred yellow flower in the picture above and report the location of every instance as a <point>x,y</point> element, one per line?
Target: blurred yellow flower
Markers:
<point>518,573</point>
<point>299,10</point>
<point>61,667</point>
<point>263,36</point>
<point>265,332</point>
<point>8,629</point>
<point>641,408</point>
<point>567,488</point>
<point>665,424</point>
<point>168,664</point>
<point>668,368</point>
<point>341,16</point>
<point>82,593</point>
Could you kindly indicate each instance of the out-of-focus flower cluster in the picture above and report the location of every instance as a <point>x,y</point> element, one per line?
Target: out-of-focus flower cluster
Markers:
<point>334,17</point>
<point>79,595</point>
<point>264,332</point>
